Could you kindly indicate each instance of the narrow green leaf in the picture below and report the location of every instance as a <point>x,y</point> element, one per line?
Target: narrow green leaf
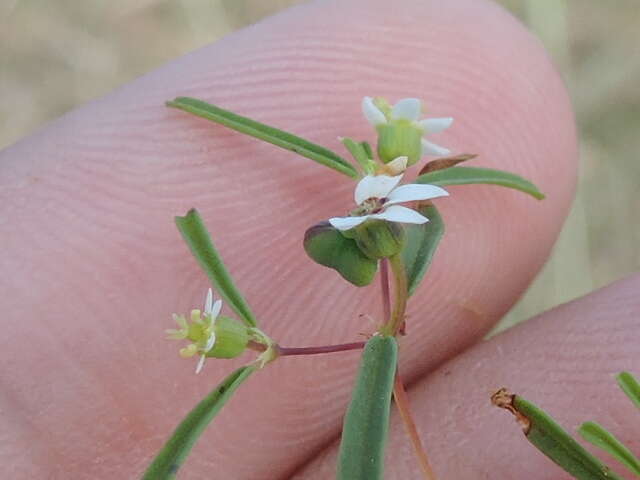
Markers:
<point>166,464</point>
<point>195,234</point>
<point>264,132</point>
<point>630,386</point>
<point>420,245</point>
<point>598,436</point>
<point>552,440</point>
<point>366,423</point>
<point>469,175</point>
<point>359,152</point>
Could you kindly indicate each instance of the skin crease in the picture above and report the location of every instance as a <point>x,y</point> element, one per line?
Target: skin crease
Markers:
<point>88,386</point>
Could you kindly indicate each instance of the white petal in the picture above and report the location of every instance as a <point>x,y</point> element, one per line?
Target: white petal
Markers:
<point>215,310</point>
<point>208,302</point>
<point>398,165</point>
<point>210,342</point>
<point>372,113</point>
<point>413,191</point>
<point>396,213</point>
<point>347,223</point>
<point>429,148</point>
<point>435,125</point>
<point>375,186</point>
<point>200,364</point>
<point>407,108</point>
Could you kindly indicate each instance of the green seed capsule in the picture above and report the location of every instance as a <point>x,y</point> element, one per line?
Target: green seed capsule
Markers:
<point>329,247</point>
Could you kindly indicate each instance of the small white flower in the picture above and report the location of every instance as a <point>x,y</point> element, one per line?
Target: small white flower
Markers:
<point>378,197</point>
<point>409,109</point>
<point>211,312</point>
<point>201,330</point>
<point>212,309</point>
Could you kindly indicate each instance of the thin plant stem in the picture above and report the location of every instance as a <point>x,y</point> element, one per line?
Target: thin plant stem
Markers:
<point>395,322</point>
<point>344,347</point>
<point>384,286</point>
<point>258,347</point>
<point>401,296</point>
<point>402,402</point>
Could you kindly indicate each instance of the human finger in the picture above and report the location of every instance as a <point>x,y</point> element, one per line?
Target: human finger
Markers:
<point>96,261</point>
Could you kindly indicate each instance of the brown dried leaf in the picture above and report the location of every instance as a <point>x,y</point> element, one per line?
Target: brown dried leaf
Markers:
<point>446,162</point>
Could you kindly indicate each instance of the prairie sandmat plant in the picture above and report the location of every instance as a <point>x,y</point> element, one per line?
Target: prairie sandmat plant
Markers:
<point>391,230</point>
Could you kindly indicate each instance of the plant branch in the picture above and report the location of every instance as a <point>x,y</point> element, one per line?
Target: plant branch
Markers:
<point>401,296</point>
<point>384,286</point>
<point>288,351</point>
<point>402,402</point>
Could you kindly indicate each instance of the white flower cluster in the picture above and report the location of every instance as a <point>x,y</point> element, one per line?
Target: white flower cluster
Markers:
<point>379,196</point>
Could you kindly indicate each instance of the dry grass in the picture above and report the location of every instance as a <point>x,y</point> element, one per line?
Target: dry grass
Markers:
<point>56,55</point>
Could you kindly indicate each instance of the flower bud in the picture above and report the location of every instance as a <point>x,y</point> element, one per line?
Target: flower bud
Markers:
<point>378,238</point>
<point>399,138</point>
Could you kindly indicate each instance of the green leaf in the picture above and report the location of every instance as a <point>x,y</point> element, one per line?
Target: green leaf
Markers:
<point>195,234</point>
<point>166,464</point>
<point>552,440</point>
<point>630,386</point>
<point>264,132</point>
<point>420,245</point>
<point>470,175</point>
<point>366,423</point>
<point>598,436</point>
<point>327,246</point>
<point>367,149</point>
<point>359,152</point>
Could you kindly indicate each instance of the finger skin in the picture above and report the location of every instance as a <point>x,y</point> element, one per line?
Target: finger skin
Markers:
<point>96,266</point>
<point>565,361</point>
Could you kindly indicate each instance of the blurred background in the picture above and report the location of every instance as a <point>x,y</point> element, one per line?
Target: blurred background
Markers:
<point>55,55</point>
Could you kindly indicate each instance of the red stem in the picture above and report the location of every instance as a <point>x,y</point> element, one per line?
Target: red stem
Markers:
<point>287,351</point>
<point>402,403</point>
<point>384,284</point>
